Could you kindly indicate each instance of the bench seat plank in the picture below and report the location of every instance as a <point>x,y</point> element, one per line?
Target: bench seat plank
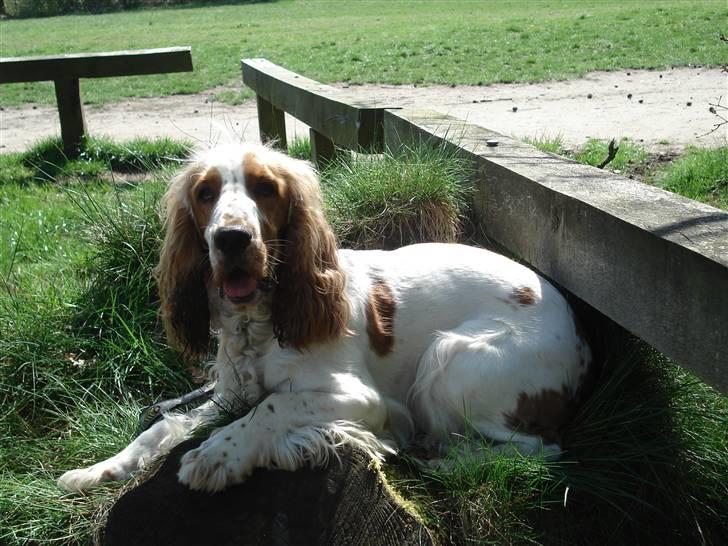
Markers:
<point>95,65</point>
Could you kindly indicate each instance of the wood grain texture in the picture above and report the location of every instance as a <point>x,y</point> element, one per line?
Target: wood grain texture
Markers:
<point>346,503</point>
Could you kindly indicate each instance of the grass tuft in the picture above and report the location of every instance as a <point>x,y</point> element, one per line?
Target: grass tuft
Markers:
<point>88,424</point>
<point>46,160</point>
<point>300,148</point>
<point>545,143</point>
<point>630,156</point>
<point>120,306</point>
<point>413,195</point>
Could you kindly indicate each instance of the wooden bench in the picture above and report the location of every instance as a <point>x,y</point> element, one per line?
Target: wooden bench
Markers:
<point>335,116</point>
<point>66,70</point>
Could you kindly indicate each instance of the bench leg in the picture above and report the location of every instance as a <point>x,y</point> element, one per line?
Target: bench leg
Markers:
<point>322,149</point>
<point>70,109</point>
<point>272,124</point>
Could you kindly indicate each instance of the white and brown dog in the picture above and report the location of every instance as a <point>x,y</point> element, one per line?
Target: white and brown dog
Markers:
<point>334,346</point>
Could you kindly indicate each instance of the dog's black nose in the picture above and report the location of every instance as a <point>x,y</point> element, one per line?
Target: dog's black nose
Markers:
<point>232,239</point>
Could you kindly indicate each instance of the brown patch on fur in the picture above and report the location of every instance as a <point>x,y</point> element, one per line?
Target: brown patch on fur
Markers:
<point>271,195</point>
<point>309,304</point>
<point>380,318</point>
<point>269,191</point>
<point>524,295</point>
<point>203,194</point>
<point>542,414</point>
<point>183,271</point>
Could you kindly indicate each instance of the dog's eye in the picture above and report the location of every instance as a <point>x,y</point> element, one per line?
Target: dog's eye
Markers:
<point>205,195</point>
<point>265,189</point>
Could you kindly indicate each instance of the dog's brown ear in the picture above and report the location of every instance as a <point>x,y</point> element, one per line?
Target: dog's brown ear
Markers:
<point>183,273</point>
<point>309,305</point>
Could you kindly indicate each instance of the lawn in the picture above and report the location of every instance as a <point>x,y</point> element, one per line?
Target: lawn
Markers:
<point>81,350</point>
<point>377,41</point>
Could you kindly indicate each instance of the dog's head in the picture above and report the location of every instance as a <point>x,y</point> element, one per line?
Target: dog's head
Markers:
<point>241,219</point>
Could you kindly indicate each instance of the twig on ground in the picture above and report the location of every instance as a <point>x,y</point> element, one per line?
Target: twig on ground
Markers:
<point>611,154</point>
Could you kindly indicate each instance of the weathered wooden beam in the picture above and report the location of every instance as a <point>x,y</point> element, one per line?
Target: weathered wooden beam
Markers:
<point>323,149</point>
<point>70,110</point>
<point>271,124</point>
<point>652,261</point>
<point>334,113</point>
<point>95,65</point>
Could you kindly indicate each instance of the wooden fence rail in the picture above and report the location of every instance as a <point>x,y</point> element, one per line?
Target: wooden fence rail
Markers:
<point>650,260</point>
<point>335,116</point>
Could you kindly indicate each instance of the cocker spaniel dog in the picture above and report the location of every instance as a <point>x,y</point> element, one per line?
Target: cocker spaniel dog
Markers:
<point>332,346</point>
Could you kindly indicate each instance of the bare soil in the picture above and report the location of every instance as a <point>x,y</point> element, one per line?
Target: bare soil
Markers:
<point>664,110</point>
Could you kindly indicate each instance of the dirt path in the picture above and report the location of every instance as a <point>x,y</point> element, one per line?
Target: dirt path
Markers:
<point>664,110</point>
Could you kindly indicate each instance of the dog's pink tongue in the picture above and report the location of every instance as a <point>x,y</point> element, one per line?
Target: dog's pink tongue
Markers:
<point>239,286</point>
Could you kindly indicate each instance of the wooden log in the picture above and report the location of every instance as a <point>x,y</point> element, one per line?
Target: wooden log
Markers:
<point>652,261</point>
<point>70,110</point>
<point>271,124</point>
<point>322,149</point>
<point>95,65</point>
<point>346,503</point>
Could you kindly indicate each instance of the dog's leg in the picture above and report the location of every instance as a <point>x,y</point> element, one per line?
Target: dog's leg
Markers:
<point>150,444</point>
<point>286,431</point>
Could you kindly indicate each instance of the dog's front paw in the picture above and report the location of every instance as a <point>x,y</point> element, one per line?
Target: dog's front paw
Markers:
<point>85,478</point>
<point>214,465</point>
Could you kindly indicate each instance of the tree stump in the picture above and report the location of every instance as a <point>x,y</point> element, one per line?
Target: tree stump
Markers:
<point>344,503</point>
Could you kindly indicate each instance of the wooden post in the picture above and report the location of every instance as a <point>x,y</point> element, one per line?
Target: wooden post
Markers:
<point>272,124</point>
<point>322,149</point>
<point>70,109</point>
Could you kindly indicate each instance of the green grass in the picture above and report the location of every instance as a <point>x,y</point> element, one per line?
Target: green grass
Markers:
<point>79,343</point>
<point>700,174</point>
<point>412,195</point>
<point>546,143</point>
<point>300,148</point>
<point>46,160</point>
<point>81,350</point>
<point>630,156</point>
<point>379,41</point>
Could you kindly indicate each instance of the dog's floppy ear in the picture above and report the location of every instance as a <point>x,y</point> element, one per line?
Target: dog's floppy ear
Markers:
<point>309,305</point>
<point>183,272</point>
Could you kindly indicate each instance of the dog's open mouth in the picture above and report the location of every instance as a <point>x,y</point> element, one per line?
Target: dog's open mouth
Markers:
<point>239,287</point>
